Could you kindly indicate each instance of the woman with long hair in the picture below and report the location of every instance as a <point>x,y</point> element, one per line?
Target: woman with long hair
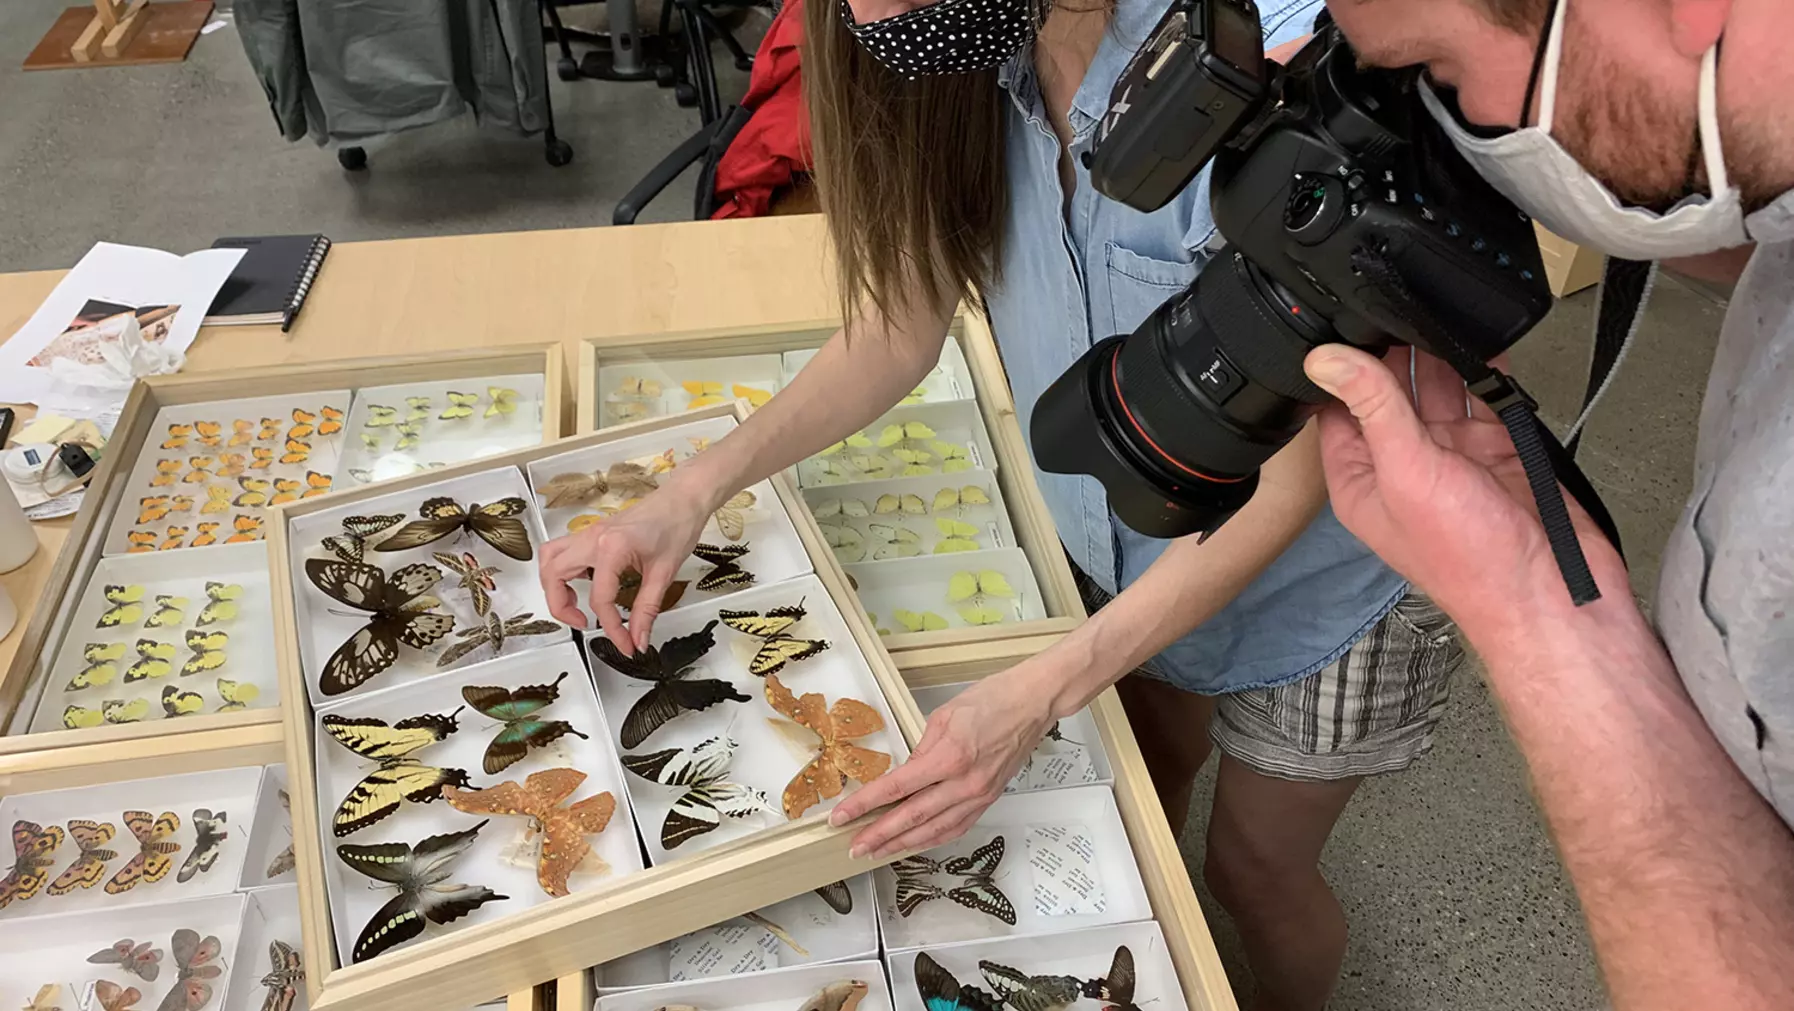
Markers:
<point>946,139</point>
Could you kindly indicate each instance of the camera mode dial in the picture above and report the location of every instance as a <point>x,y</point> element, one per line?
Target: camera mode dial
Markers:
<point>1316,206</point>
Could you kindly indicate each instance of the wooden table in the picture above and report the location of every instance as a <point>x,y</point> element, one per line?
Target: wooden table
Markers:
<point>403,296</point>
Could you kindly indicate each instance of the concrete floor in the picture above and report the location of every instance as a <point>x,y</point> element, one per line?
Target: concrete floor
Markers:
<point>1455,896</point>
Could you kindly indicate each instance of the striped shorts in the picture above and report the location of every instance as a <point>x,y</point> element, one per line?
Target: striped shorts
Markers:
<point>1371,711</point>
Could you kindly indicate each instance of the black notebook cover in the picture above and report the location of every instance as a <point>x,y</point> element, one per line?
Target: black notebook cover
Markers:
<point>271,281</point>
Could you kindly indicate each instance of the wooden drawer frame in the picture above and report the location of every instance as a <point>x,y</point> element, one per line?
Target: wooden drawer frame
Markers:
<point>81,552</point>
<point>511,954</point>
<point>1038,537</point>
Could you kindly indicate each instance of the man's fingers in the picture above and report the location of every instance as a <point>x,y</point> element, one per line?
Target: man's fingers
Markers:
<point>1439,393</point>
<point>913,776</point>
<point>1351,477</point>
<point>1376,399</point>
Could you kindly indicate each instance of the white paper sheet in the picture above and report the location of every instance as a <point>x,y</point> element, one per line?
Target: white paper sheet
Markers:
<point>109,280</point>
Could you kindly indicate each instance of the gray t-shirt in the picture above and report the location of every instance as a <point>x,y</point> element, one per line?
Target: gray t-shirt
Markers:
<point>1725,601</point>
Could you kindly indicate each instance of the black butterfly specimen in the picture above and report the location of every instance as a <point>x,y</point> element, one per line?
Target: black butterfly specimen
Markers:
<point>1117,988</point>
<point>399,777</point>
<point>352,542</point>
<point>400,608</point>
<point>496,524</point>
<point>524,729</point>
<point>419,872</point>
<point>210,828</point>
<point>837,896</point>
<point>668,666</point>
<point>778,647</point>
<point>286,973</point>
<point>494,633</point>
<point>941,992</point>
<point>728,573</point>
<point>975,890</point>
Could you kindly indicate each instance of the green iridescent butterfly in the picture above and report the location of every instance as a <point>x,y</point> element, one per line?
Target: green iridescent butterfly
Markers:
<point>523,729</point>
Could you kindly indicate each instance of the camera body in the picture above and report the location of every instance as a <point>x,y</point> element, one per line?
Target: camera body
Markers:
<point>1349,218</point>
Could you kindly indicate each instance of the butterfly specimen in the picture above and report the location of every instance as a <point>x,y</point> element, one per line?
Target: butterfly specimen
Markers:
<point>110,711</point>
<point>221,603</point>
<point>242,432</point>
<point>177,701</point>
<point>1023,992</point>
<point>668,666</point>
<point>261,457</point>
<point>399,609</point>
<point>236,694</point>
<point>32,846</point>
<point>954,457</point>
<point>726,572</point>
<point>633,386</point>
<point>247,528</point>
<point>151,509</point>
<point>894,542</point>
<point>100,669</point>
<point>417,408</point>
<point>703,393</point>
<point>523,730</point>
<point>972,593</point>
<point>563,829</point>
<point>286,971</point>
<point>496,524</point>
<point>840,509</point>
<point>494,633</point>
<point>841,995</point>
<point>625,410</point>
<point>924,621</point>
<point>170,610</point>
<point>208,651</point>
<point>255,492</point>
<point>174,538</point>
<point>956,535</point>
<point>211,836</point>
<point>152,862</point>
<point>304,424</point>
<point>352,542</point>
<point>296,451</point>
<point>229,465</point>
<point>941,992</point>
<point>399,777</point>
<point>90,866</point>
<point>208,433</point>
<point>332,422</point>
<point>476,579</point>
<point>113,997</point>
<point>284,860</point>
<point>201,471</point>
<point>626,480</point>
<point>778,647</point>
<point>218,499</point>
<point>380,417</point>
<point>141,960</point>
<point>504,401</point>
<point>410,434</point>
<point>629,583</point>
<point>154,660</point>
<point>1116,988</point>
<point>460,405</point>
<point>846,542</point>
<point>837,759</point>
<point>195,962</point>
<point>418,871</point>
<point>977,888</point>
<point>707,798</point>
<point>177,436</point>
<point>838,897</point>
<point>140,541</point>
<point>45,1000</point>
<point>892,435</point>
<point>126,609</point>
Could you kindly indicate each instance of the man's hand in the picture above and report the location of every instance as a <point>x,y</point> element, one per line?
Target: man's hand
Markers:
<point>1428,478</point>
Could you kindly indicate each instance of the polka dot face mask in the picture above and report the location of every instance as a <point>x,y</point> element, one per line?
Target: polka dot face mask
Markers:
<point>949,36</point>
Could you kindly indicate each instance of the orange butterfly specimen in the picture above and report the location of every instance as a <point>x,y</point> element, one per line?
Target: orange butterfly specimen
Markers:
<point>333,421</point>
<point>242,432</point>
<point>231,464</point>
<point>248,528</point>
<point>270,430</point>
<point>177,436</point>
<point>154,850</point>
<point>316,484</point>
<point>180,504</point>
<point>285,490</point>
<point>140,541</point>
<point>217,499</point>
<point>166,472</point>
<point>304,424</point>
<point>262,457</point>
<point>208,534</point>
<point>564,829</point>
<point>297,452</point>
<point>837,760</point>
<point>176,537</point>
<point>202,469</point>
<point>211,433</point>
<point>151,509</point>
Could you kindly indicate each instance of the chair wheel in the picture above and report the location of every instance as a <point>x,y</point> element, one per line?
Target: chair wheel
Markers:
<point>353,159</point>
<point>559,153</point>
<point>685,94</point>
<point>567,69</point>
<point>665,75</point>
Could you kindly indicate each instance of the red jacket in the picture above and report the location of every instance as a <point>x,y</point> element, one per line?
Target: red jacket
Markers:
<point>775,142</point>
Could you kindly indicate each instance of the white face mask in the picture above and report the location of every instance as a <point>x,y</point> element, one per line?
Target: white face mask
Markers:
<point>1537,174</point>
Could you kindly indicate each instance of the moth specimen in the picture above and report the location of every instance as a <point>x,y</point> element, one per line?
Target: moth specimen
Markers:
<point>494,633</point>
<point>195,962</point>
<point>141,960</point>
<point>419,872</point>
<point>837,758</point>
<point>211,836</point>
<point>285,974</point>
<point>622,482</point>
<point>475,578</point>
<point>154,858</point>
<point>563,829</point>
<point>284,860</point>
<point>91,837</point>
<point>32,846</point>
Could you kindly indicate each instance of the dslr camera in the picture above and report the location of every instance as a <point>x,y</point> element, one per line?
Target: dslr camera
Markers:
<point>1348,218</point>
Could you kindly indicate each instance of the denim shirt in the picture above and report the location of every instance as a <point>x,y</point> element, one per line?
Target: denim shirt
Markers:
<point>1079,270</point>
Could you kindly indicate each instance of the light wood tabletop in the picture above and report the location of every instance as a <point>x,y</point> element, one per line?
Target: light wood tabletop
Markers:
<point>403,296</point>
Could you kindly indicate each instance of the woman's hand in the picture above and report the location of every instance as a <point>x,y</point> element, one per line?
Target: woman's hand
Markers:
<point>973,747</point>
<point>653,539</point>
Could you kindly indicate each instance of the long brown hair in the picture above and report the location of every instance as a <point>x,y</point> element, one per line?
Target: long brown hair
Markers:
<point>909,173</point>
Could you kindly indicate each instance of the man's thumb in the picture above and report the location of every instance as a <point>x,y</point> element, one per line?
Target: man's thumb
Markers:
<point>1374,395</point>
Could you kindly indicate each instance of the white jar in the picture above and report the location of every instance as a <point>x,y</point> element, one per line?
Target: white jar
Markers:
<point>18,541</point>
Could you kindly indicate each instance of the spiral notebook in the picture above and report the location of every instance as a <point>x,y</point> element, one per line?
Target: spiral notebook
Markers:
<point>271,282</point>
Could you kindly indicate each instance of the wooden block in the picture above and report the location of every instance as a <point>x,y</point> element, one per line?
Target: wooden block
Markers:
<point>166,36</point>
<point>108,12</point>
<point>87,45</point>
<point>126,30</point>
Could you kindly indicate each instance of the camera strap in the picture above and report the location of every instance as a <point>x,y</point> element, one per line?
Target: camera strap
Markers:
<point>1547,463</point>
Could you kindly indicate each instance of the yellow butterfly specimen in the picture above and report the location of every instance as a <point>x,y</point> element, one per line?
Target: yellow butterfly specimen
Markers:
<point>755,396</point>
<point>417,408</point>
<point>270,430</point>
<point>924,621</point>
<point>731,519</point>
<point>261,457</point>
<point>858,440</point>
<point>201,469</point>
<point>778,647</point>
<point>173,538</point>
<point>371,441</point>
<point>218,499</point>
<point>703,393</point>
<point>177,436</point>
<point>848,545</point>
<point>916,462</point>
<point>140,541</point>
<point>177,701</point>
<point>209,433</point>
<point>154,660</point>
<point>208,651</point>
<point>222,604</point>
<point>166,473</point>
<point>915,396</point>
<point>460,406</point>
<point>891,435</point>
<point>114,711</point>
<point>635,386</point>
<point>409,434</point>
<point>255,492</point>
<point>954,498</point>
<point>626,410</point>
<point>315,484</point>
<point>380,417</point>
<point>296,452</point>
<point>504,401</point>
<point>305,424</point>
<point>205,534</point>
<point>170,611</point>
<point>837,509</point>
<point>242,432</point>
<point>81,718</point>
<point>46,998</point>
<point>956,535</point>
<point>236,695</point>
<point>127,606</point>
<point>954,457</point>
<point>100,669</point>
<point>906,503</point>
<point>871,466</point>
<point>973,595</point>
<point>151,509</point>
<point>894,542</point>
<point>333,420</point>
